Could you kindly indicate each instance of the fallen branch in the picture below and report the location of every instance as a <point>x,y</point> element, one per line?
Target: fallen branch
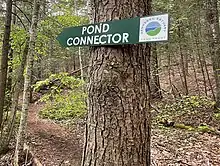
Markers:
<point>78,70</point>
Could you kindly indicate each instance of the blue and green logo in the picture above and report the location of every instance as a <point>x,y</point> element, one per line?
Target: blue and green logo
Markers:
<point>153,28</point>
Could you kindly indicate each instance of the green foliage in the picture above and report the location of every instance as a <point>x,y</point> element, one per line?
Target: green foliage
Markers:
<point>68,6</point>
<point>17,119</point>
<point>65,107</point>
<point>205,128</point>
<point>192,113</point>
<point>182,126</point>
<point>65,98</point>
<point>56,82</point>
<point>18,36</point>
<point>201,128</point>
<point>217,116</point>
<point>190,110</point>
<point>189,104</point>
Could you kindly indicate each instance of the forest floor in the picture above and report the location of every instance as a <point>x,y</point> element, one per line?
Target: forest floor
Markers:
<point>56,145</point>
<point>52,143</point>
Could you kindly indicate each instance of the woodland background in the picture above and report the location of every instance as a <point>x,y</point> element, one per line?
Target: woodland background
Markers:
<point>44,85</point>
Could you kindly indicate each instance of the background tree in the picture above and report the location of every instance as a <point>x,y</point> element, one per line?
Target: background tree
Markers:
<point>27,85</point>
<point>214,40</point>
<point>183,70</point>
<point>155,80</point>
<point>4,58</point>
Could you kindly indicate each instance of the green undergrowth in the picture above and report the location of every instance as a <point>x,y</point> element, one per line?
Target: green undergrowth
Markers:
<point>64,98</point>
<point>201,128</point>
<point>217,116</point>
<point>7,118</point>
<point>193,113</point>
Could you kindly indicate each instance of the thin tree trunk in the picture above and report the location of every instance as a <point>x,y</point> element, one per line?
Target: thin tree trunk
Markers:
<point>14,9</point>
<point>182,58</point>
<point>27,83</point>
<point>17,89</point>
<point>51,54</point>
<point>80,63</point>
<point>39,68</point>
<point>207,73</point>
<point>79,49</point>
<point>118,125</point>
<point>187,63</point>
<point>4,57</point>
<point>193,61</point>
<point>202,67</point>
<point>10,70</point>
<point>214,40</point>
<point>74,62</point>
<point>172,89</point>
<point>199,29</point>
<point>155,80</point>
<point>195,74</point>
<point>169,68</point>
<point>180,74</point>
<point>10,63</point>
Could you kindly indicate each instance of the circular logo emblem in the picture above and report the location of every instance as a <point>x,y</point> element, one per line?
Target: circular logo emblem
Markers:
<point>153,28</point>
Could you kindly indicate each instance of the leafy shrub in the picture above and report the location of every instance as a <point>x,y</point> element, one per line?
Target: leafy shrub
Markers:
<point>187,104</point>
<point>189,110</point>
<point>190,103</point>
<point>182,126</point>
<point>64,97</point>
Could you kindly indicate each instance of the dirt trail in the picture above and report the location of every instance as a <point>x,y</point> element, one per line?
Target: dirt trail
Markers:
<point>55,145</point>
<point>52,144</point>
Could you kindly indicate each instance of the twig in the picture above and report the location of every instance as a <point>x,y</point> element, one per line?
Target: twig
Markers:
<point>78,70</point>
<point>155,108</point>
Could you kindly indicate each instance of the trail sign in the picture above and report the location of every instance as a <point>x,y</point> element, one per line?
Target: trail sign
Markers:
<point>117,32</point>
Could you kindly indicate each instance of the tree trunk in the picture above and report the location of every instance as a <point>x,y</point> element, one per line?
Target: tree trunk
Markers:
<point>4,57</point>
<point>74,62</point>
<point>14,106</point>
<point>118,123</point>
<point>201,63</point>
<point>182,58</point>
<point>10,63</point>
<point>27,83</point>
<point>79,49</point>
<point>81,64</point>
<point>200,34</point>
<point>213,21</point>
<point>155,80</point>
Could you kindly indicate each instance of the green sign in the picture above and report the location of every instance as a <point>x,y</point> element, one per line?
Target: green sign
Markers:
<point>118,32</point>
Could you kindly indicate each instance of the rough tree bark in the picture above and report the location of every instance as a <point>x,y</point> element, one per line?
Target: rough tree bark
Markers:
<point>118,125</point>
<point>27,85</point>
<point>214,42</point>
<point>4,57</point>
